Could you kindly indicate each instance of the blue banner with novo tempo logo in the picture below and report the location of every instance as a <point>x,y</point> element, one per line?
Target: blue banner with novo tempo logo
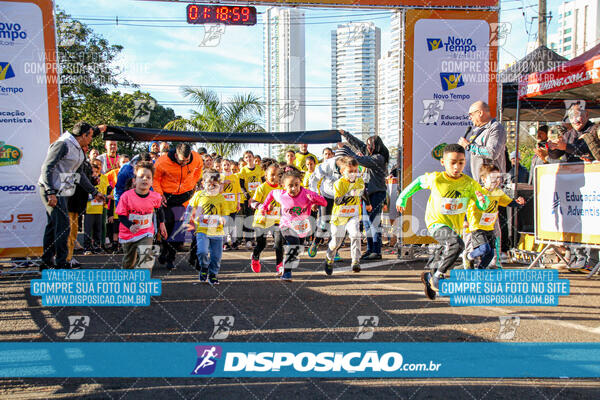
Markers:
<point>277,360</point>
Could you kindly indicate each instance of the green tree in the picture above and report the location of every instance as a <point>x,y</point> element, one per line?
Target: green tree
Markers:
<point>86,71</point>
<point>240,114</point>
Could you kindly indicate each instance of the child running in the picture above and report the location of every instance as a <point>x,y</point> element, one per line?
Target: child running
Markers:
<point>135,209</point>
<point>206,209</point>
<point>348,192</point>
<point>232,192</point>
<point>267,223</point>
<point>296,203</point>
<point>251,176</point>
<point>481,223</point>
<point>451,192</point>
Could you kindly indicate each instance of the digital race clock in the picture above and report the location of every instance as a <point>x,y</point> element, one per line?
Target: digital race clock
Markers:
<point>228,15</point>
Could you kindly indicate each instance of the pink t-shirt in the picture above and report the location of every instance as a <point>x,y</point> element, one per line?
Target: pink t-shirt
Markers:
<point>295,210</point>
<point>140,211</point>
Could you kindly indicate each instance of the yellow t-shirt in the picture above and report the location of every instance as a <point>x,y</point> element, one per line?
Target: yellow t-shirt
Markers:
<point>209,212</point>
<point>94,207</point>
<point>449,199</point>
<point>252,178</point>
<point>300,161</point>
<point>273,216</point>
<point>485,220</point>
<point>231,193</point>
<point>342,213</point>
<point>306,179</point>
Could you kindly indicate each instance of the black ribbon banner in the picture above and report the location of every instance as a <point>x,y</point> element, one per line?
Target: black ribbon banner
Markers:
<point>127,134</point>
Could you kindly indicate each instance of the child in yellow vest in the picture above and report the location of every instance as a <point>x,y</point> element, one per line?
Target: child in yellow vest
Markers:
<point>232,192</point>
<point>92,221</point>
<point>481,222</point>
<point>267,223</point>
<point>349,190</point>
<point>206,209</point>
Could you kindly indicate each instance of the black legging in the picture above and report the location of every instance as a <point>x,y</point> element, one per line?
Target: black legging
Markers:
<point>261,243</point>
<point>290,238</point>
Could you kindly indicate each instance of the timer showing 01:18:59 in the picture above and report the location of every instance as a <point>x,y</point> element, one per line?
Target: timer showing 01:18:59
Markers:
<point>228,15</point>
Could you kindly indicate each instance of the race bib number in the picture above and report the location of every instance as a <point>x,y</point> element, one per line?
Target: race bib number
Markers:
<point>252,186</point>
<point>229,196</point>
<point>210,221</point>
<point>453,206</point>
<point>349,211</point>
<point>488,219</point>
<point>97,203</point>
<point>142,221</point>
<point>301,227</point>
<point>68,183</point>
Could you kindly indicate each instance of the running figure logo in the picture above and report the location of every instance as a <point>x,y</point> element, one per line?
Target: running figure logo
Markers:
<point>77,326</point>
<point>207,359</point>
<point>366,326</point>
<point>508,326</point>
<point>212,35</point>
<point>431,111</point>
<point>223,325</point>
<point>147,253</point>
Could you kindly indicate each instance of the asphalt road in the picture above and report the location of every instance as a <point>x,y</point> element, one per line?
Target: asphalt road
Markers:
<point>312,308</point>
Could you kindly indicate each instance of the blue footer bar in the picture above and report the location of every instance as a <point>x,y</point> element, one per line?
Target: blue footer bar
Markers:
<point>276,360</point>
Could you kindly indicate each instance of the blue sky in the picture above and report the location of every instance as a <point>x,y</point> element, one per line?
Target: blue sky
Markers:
<point>163,56</point>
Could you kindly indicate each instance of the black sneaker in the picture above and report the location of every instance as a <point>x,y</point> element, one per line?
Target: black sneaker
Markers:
<point>203,275</point>
<point>212,279</point>
<point>429,292</point>
<point>373,256</point>
<point>365,255</point>
<point>328,267</point>
<point>356,267</point>
<point>170,265</point>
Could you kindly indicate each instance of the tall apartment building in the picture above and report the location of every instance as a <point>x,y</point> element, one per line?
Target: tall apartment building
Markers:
<point>284,72</point>
<point>355,49</point>
<point>388,88</point>
<point>578,27</point>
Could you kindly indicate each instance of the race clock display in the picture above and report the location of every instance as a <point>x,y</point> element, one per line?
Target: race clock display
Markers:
<point>227,15</point>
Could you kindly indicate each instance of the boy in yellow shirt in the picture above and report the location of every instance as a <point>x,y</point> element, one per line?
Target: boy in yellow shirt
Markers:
<point>310,166</point>
<point>481,222</point>
<point>270,222</point>
<point>451,192</point>
<point>349,190</point>
<point>92,221</point>
<point>206,209</point>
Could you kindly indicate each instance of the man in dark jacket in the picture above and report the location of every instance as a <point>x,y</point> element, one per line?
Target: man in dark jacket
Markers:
<point>374,156</point>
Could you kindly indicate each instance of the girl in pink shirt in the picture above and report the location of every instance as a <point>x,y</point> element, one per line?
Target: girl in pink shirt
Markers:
<point>296,204</point>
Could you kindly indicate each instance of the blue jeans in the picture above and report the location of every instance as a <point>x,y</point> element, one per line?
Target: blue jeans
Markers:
<point>373,223</point>
<point>214,244</point>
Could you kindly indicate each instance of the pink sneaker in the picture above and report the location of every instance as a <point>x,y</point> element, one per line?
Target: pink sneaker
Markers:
<point>280,269</point>
<point>255,265</point>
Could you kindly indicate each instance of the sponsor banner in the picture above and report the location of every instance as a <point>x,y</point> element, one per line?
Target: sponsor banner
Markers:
<point>318,360</point>
<point>567,203</point>
<point>29,119</point>
<point>449,58</point>
<point>560,78</point>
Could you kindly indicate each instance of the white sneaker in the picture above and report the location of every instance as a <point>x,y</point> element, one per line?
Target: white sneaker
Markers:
<point>249,244</point>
